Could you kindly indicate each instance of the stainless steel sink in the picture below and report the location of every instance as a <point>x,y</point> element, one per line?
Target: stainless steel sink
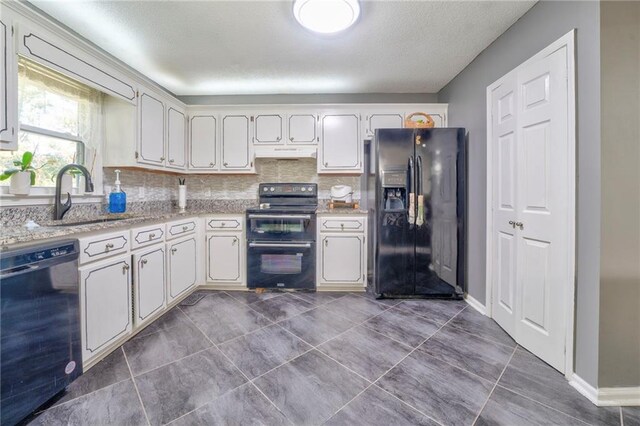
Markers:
<point>88,222</point>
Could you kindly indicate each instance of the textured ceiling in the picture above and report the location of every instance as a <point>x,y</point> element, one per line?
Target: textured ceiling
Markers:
<point>241,47</point>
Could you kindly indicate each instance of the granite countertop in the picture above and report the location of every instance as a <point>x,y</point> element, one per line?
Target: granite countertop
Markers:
<point>18,234</point>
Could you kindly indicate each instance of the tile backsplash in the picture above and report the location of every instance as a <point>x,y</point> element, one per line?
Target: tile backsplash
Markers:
<point>141,185</point>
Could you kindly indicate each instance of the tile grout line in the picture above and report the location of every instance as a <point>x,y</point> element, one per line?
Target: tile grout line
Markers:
<point>494,386</point>
<point>237,368</point>
<point>135,385</point>
<point>395,365</point>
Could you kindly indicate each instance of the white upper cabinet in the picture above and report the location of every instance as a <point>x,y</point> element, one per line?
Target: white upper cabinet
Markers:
<point>268,129</point>
<point>176,137</point>
<point>151,116</point>
<point>303,128</point>
<point>341,148</point>
<point>8,90</point>
<point>390,120</point>
<point>236,144</point>
<point>203,141</point>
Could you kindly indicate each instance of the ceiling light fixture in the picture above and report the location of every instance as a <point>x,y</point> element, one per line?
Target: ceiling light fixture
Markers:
<point>326,16</point>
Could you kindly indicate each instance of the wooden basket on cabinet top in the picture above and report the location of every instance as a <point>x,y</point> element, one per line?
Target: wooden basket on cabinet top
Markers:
<point>426,123</point>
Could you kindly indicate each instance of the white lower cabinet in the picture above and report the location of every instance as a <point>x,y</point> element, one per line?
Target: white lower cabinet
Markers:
<point>342,253</point>
<point>149,278</point>
<point>226,251</point>
<point>183,263</point>
<point>224,258</point>
<point>105,304</point>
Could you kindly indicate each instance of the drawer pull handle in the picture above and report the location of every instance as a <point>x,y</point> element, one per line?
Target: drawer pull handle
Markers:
<point>211,164</point>
<point>161,158</point>
<point>143,262</point>
<point>125,268</point>
<point>108,246</point>
<point>223,224</point>
<point>185,227</point>
<point>342,226</point>
<point>174,250</point>
<point>152,236</point>
<point>235,240</point>
<point>171,161</point>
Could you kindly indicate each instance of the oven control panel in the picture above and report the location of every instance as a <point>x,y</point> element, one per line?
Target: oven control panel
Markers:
<point>288,189</point>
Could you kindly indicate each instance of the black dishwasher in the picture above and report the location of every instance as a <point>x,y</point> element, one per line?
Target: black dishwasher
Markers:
<point>40,326</point>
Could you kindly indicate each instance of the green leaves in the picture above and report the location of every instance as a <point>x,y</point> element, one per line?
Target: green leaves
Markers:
<point>24,165</point>
<point>27,157</point>
<point>8,173</point>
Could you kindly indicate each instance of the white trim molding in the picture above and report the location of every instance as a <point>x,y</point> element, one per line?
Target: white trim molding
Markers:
<point>606,397</point>
<point>475,304</point>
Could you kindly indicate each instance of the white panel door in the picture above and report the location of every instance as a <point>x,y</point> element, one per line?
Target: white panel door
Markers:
<point>151,130</point>
<point>182,266</point>
<point>268,129</point>
<point>236,142</point>
<point>542,208</point>
<point>303,129</point>
<point>224,258</point>
<point>342,259</point>
<point>383,121</point>
<point>530,212</point>
<point>341,147</point>
<point>176,138</point>
<point>504,184</point>
<point>149,283</point>
<point>202,142</point>
<point>105,294</point>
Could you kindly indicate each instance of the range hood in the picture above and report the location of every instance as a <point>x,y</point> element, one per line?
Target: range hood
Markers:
<point>286,152</point>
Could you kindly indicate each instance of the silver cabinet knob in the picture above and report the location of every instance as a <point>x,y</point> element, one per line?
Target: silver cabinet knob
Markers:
<point>161,158</point>
<point>211,164</point>
<point>520,225</point>
<point>125,268</point>
<point>144,261</point>
<point>152,236</point>
<point>185,227</point>
<point>174,250</point>
<point>171,161</point>
<point>512,223</point>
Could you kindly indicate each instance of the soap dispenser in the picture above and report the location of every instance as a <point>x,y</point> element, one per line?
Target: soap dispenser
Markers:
<point>117,198</point>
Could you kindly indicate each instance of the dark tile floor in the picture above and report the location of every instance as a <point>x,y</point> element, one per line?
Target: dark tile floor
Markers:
<point>317,358</point>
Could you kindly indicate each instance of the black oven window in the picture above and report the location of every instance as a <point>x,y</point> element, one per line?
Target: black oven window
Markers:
<point>278,226</point>
<point>281,263</point>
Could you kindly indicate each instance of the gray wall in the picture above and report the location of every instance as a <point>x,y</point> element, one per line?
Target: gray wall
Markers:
<point>620,234</point>
<point>466,95</point>
<point>347,98</point>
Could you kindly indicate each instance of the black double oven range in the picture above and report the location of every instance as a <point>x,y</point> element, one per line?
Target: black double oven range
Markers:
<point>281,237</point>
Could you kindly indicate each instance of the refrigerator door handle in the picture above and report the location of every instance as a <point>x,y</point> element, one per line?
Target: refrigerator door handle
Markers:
<point>419,192</point>
<point>411,209</point>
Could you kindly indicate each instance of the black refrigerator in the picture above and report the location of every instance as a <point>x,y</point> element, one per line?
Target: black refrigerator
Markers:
<point>418,212</point>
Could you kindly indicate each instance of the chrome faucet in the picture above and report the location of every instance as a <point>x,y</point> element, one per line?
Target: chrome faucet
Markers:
<point>59,209</point>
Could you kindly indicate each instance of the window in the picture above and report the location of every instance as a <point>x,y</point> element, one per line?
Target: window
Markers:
<point>59,122</point>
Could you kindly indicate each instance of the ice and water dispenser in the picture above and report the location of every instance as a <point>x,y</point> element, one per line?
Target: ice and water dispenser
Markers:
<point>394,190</point>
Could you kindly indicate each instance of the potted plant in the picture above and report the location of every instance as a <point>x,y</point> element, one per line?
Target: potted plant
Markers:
<point>23,175</point>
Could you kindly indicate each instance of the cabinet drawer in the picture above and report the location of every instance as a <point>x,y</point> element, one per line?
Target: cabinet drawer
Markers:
<point>102,246</point>
<point>144,236</point>
<point>342,224</point>
<point>180,227</point>
<point>224,223</point>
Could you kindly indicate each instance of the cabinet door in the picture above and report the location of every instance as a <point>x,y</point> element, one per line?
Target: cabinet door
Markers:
<point>268,129</point>
<point>236,143</point>
<point>203,142</point>
<point>224,258</point>
<point>342,259</point>
<point>303,128</point>
<point>105,301</point>
<point>182,266</point>
<point>341,148</point>
<point>382,121</point>
<point>151,130</point>
<point>176,138</point>
<point>8,87</point>
<point>149,283</point>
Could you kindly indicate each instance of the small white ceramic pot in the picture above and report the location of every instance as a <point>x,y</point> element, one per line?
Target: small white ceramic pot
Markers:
<point>20,183</point>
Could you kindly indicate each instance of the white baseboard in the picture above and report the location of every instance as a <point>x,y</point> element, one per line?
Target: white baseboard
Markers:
<point>475,304</point>
<point>605,397</point>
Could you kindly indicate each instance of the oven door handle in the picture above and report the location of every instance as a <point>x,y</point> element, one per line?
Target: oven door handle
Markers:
<point>281,216</point>
<point>292,245</point>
